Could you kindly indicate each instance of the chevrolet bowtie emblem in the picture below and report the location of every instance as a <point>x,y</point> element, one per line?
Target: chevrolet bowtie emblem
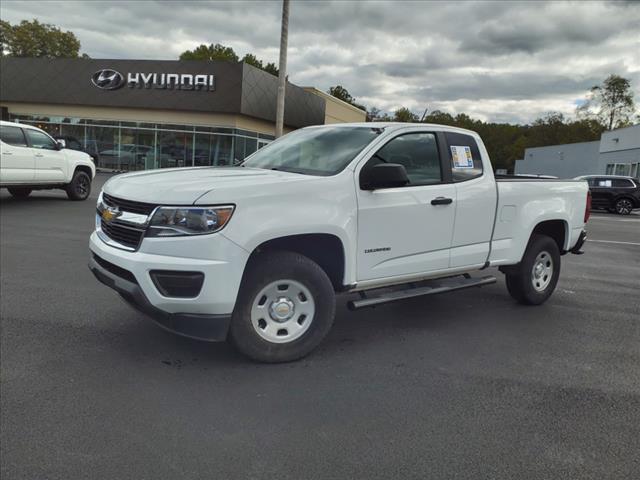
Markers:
<point>110,214</point>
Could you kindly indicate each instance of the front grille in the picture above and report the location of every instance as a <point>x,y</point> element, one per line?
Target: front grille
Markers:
<point>127,236</point>
<point>128,205</point>
<point>116,270</point>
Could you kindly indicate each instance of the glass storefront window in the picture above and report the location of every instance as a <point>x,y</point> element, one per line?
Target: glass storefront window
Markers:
<point>226,131</point>
<point>142,146</point>
<point>137,149</point>
<point>181,128</point>
<point>52,129</point>
<point>221,150</point>
<point>212,150</point>
<point>106,141</point>
<point>246,133</point>
<point>72,120</point>
<point>244,147</point>
<point>174,149</point>
<point>623,169</point>
<point>202,151</point>
<point>75,138</point>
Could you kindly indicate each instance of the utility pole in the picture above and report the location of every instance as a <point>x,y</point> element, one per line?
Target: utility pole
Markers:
<point>282,76</point>
<point>424,115</point>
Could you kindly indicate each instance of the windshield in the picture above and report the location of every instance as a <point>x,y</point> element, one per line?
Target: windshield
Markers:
<point>314,151</point>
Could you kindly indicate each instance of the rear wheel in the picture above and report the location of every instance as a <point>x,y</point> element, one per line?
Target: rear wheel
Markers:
<point>284,310</point>
<point>18,192</point>
<point>533,281</point>
<point>80,186</point>
<point>624,206</point>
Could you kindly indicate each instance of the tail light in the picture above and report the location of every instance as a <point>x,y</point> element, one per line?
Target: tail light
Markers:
<point>587,210</point>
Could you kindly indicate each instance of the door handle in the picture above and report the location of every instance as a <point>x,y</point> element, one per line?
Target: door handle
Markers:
<point>441,201</point>
<point>39,155</point>
<point>7,153</point>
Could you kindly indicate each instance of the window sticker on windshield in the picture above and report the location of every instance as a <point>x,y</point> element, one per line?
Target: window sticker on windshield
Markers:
<point>461,157</point>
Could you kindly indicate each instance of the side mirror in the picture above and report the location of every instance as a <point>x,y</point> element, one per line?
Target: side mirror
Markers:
<point>383,175</point>
<point>60,144</point>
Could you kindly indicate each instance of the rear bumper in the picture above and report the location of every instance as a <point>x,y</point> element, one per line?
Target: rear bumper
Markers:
<point>579,244</point>
<point>199,326</point>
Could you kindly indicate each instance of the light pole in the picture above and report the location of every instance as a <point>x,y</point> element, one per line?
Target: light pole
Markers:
<point>282,75</point>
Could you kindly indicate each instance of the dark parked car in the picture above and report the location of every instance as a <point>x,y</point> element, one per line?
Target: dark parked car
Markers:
<point>614,193</point>
<point>73,143</point>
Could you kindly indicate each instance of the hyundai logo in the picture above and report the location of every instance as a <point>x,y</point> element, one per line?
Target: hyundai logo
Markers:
<point>107,79</point>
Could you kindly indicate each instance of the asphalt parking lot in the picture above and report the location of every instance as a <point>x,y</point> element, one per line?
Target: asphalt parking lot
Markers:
<point>462,385</point>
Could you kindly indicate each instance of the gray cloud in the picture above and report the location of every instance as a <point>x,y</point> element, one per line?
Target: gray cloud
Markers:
<point>508,61</point>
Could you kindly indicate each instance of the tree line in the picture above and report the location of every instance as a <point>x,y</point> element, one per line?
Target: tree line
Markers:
<point>606,106</point>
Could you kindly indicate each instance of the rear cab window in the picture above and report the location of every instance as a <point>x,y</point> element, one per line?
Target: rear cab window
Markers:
<point>464,156</point>
<point>12,136</point>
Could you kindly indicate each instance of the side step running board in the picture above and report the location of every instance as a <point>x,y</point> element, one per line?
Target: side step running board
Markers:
<point>445,285</point>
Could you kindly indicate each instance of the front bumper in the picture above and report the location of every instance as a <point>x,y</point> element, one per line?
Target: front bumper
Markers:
<point>205,316</point>
<point>199,326</point>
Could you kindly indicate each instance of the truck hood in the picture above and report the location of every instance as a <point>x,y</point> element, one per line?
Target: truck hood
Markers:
<point>184,186</point>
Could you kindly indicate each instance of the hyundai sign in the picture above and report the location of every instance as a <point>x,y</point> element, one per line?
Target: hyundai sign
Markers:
<point>109,79</point>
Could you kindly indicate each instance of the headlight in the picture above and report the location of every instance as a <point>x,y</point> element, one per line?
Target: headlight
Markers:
<point>177,221</point>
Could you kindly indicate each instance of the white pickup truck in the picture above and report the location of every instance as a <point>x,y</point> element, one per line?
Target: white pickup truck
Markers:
<point>31,160</point>
<point>257,252</point>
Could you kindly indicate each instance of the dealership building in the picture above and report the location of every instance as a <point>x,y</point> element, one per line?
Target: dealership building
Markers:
<point>616,153</point>
<point>142,114</point>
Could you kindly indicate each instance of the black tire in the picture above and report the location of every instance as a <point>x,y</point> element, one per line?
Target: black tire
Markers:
<point>522,283</point>
<point>624,206</point>
<point>263,271</point>
<point>20,192</point>
<point>80,186</point>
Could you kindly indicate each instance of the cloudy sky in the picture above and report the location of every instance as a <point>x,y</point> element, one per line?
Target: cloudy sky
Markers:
<point>501,61</point>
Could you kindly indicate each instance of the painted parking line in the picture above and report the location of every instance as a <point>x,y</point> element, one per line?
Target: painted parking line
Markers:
<point>613,241</point>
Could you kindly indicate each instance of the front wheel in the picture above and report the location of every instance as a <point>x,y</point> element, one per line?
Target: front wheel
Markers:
<point>624,206</point>
<point>80,186</point>
<point>20,192</point>
<point>284,310</point>
<point>533,281</point>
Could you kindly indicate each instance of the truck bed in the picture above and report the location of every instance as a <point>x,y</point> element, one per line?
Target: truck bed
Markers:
<point>524,202</point>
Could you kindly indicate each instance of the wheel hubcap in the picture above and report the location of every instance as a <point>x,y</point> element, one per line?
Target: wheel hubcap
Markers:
<point>282,311</point>
<point>542,271</point>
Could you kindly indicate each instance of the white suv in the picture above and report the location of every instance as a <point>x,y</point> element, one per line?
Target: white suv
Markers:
<point>32,160</point>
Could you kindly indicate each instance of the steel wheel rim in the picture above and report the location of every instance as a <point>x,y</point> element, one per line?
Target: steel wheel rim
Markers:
<point>623,207</point>
<point>82,186</point>
<point>282,311</point>
<point>542,271</point>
